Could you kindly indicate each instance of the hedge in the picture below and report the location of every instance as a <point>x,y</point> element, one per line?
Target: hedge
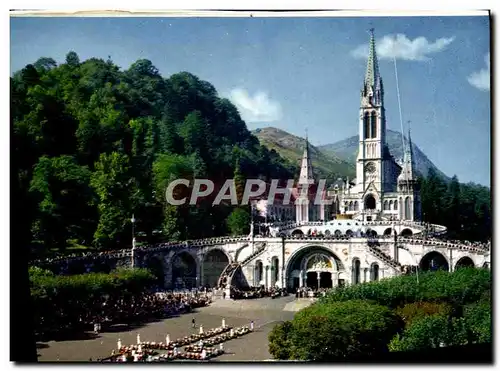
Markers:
<point>460,287</point>
<point>327,332</point>
<point>45,284</point>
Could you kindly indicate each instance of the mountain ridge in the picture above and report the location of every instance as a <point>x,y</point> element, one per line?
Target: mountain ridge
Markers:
<point>291,147</point>
<point>347,149</point>
<point>339,158</point>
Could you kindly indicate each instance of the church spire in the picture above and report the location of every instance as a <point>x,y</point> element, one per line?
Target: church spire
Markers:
<point>373,90</point>
<point>306,171</point>
<point>408,161</point>
<point>372,74</point>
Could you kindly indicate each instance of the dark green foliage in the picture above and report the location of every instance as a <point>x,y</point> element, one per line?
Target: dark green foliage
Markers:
<point>444,309</point>
<point>456,288</point>
<point>464,208</point>
<point>414,311</point>
<point>238,222</point>
<point>479,322</point>
<point>279,342</point>
<point>87,128</point>
<point>329,332</point>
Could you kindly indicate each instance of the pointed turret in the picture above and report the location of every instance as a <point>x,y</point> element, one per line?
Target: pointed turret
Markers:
<point>408,161</point>
<point>306,170</point>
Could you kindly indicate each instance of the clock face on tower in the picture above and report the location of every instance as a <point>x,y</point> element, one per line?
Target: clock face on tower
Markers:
<point>370,168</point>
<point>370,172</point>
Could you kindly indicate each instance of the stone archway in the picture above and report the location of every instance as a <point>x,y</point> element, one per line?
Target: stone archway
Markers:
<point>297,232</point>
<point>464,262</point>
<point>387,231</point>
<point>406,232</point>
<point>370,202</point>
<point>155,265</point>
<point>214,263</point>
<point>313,266</point>
<point>433,261</point>
<point>184,270</point>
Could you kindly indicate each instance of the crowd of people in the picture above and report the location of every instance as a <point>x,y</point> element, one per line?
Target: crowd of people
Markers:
<point>102,312</point>
<point>256,292</point>
<point>309,292</point>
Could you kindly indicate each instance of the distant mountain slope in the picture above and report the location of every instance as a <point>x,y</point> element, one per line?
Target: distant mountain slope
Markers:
<point>292,147</point>
<point>347,150</point>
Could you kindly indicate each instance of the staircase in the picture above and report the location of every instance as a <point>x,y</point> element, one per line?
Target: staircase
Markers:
<point>260,250</point>
<point>227,274</point>
<point>385,258</point>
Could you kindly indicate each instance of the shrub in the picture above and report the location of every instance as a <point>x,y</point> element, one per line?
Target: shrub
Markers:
<point>278,340</point>
<point>412,311</point>
<point>478,321</point>
<point>423,333</point>
<point>457,288</point>
<point>326,332</point>
<point>440,330</point>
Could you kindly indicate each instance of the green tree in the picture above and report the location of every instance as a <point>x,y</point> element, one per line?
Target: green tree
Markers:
<point>72,59</point>
<point>61,187</point>
<point>238,222</point>
<point>338,331</point>
<point>114,187</point>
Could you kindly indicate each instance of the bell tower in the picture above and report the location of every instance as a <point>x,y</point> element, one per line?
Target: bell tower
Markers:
<point>372,147</point>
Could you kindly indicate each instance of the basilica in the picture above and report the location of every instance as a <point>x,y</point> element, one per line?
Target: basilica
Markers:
<point>382,189</point>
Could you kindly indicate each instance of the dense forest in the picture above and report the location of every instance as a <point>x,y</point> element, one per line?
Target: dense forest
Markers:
<point>94,145</point>
<point>464,208</point>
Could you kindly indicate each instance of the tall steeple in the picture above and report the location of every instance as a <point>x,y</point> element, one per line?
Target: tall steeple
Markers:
<point>373,82</point>
<point>306,170</point>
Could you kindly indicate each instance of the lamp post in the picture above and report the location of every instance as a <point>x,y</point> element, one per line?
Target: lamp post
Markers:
<point>133,241</point>
<point>133,231</point>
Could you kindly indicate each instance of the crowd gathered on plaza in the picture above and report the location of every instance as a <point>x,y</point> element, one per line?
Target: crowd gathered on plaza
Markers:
<point>101,313</point>
<point>309,292</point>
<point>256,292</point>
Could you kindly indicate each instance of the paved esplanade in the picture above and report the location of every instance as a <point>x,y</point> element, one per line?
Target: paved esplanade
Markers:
<point>265,313</point>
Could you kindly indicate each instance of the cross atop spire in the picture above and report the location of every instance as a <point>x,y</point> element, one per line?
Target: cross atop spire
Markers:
<point>372,71</point>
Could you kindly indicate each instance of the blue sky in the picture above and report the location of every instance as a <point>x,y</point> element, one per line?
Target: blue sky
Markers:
<point>294,73</point>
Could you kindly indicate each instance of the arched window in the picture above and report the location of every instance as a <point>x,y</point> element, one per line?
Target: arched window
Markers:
<point>259,274</point>
<point>356,206</point>
<point>373,126</point>
<point>386,205</point>
<point>366,122</point>
<point>395,205</point>
<point>356,271</point>
<point>350,206</point>
<point>374,272</point>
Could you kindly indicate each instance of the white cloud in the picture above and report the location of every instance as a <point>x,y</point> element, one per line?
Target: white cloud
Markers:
<point>401,47</point>
<point>256,108</point>
<point>481,79</point>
